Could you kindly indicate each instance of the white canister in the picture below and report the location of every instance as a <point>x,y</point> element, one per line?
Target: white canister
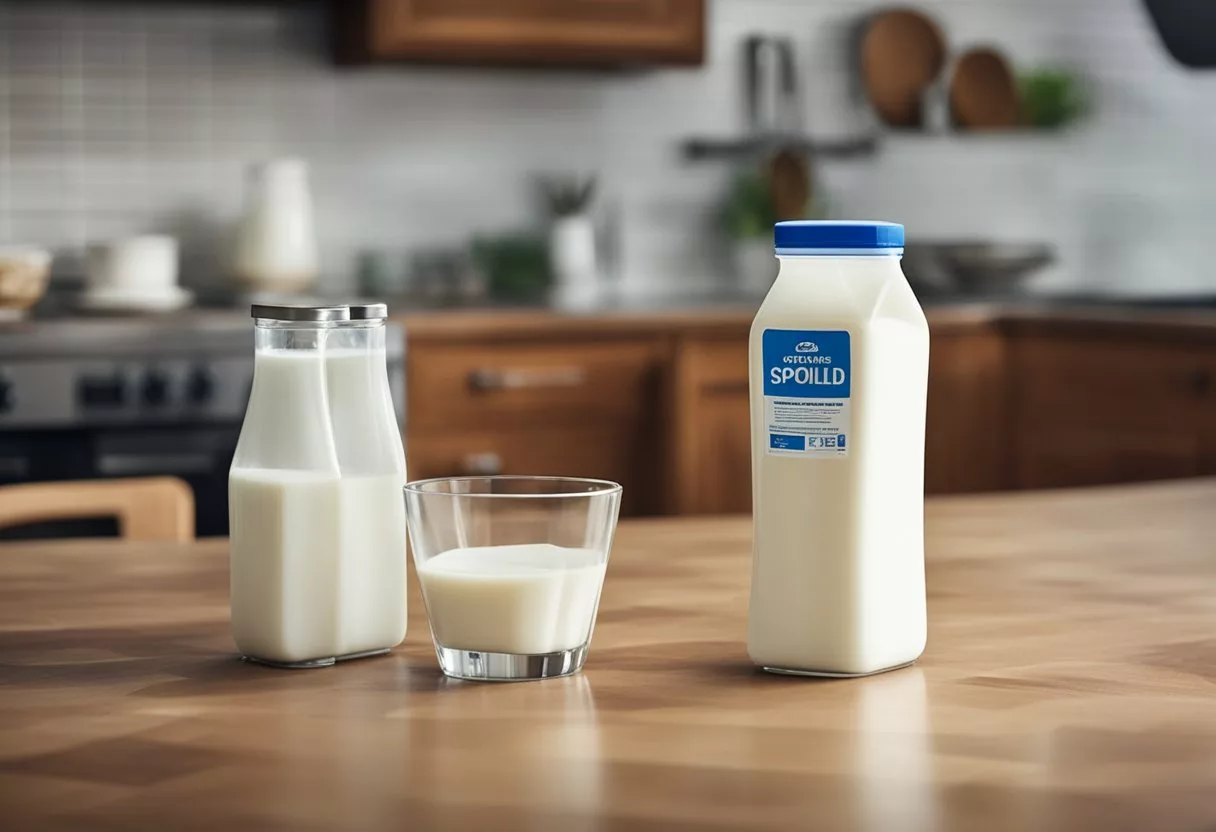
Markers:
<point>276,246</point>
<point>575,265</point>
<point>839,354</point>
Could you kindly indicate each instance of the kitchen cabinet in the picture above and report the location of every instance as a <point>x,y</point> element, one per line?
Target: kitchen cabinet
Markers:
<point>540,382</point>
<point>608,450</point>
<point>710,428</point>
<point>1101,409</point>
<point>965,443</point>
<point>538,32</point>
<point>967,423</point>
<point>581,407</point>
<point>1205,383</point>
<point>660,402</point>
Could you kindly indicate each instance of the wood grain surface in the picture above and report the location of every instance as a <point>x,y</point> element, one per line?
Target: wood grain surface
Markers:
<point>1069,683</point>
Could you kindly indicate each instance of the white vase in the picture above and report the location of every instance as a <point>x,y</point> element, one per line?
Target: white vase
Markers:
<point>277,247</point>
<point>755,264</point>
<point>573,258</point>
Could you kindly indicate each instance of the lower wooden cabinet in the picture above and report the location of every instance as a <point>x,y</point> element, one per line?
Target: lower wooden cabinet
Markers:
<point>1011,404</point>
<point>967,423</point>
<point>966,448</point>
<point>709,434</point>
<point>1098,410</point>
<point>1071,457</point>
<point>618,452</point>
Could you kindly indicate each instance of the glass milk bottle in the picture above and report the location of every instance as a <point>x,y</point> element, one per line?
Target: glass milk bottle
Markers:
<point>315,504</point>
<point>839,356</point>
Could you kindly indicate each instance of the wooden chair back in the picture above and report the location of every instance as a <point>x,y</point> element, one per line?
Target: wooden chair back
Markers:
<point>150,508</point>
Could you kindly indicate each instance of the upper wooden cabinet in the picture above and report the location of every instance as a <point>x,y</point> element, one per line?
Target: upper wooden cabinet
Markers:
<point>554,32</point>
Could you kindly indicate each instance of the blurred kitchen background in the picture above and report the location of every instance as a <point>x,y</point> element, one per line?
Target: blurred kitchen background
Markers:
<point>591,185</point>
<point>121,118</point>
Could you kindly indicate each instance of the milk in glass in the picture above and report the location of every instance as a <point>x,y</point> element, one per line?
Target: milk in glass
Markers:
<point>522,598</point>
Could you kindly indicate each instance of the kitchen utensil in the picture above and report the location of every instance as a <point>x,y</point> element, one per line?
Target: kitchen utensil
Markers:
<point>24,274</point>
<point>902,52</point>
<point>935,101</point>
<point>977,268</point>
<point>771,85</point>
<point>1187,29</point>
<point>790,183</point>
<point>276,248</point>
<point>136,274</point>
<point>983,91</point>
<point>511,570</point>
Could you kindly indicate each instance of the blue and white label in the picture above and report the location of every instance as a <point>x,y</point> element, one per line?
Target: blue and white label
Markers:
<point>808,382</point>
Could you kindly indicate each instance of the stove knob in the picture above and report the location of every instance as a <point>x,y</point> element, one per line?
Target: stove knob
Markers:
<point>199,386</point>
<point>155,389</point>
<point>7,400</point>
<point>101,391</point>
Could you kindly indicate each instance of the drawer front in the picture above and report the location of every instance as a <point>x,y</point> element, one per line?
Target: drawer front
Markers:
<point>487,386</point>
<point>1107,383</point>
<point>623,454</point>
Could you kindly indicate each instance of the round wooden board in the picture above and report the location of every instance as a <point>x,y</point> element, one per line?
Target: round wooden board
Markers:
<point>902,52</point>
<point>984,92</point>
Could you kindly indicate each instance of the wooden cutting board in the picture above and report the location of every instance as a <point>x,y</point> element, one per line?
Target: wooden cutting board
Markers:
<point>902,53</point>
<point>984,92</point>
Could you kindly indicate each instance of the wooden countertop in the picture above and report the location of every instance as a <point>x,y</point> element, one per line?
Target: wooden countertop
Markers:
<point>1070,683</point>
<point>733,321</point>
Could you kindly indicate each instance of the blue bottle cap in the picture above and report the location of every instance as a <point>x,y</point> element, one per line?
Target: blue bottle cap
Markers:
<point>810,236</point>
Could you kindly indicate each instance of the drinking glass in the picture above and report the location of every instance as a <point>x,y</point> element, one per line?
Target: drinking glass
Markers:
<point>511,570</point>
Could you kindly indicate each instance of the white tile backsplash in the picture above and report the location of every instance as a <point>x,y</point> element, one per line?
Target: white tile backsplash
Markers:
<point>118,118</point>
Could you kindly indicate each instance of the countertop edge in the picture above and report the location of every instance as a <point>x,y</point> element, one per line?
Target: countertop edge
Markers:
<point>728,321</point>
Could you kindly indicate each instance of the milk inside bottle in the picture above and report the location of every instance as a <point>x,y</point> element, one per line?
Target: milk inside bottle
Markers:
<point>839,360</point>
<point>315,504</point>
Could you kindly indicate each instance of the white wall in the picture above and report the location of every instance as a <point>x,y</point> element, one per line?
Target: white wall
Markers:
<point>116,118</point>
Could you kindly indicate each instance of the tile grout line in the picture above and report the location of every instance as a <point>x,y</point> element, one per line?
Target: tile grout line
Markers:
<point>72,103</point>
<point>6,166</point>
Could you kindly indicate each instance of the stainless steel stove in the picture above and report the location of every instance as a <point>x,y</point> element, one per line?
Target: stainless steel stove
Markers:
<point>96,398</point>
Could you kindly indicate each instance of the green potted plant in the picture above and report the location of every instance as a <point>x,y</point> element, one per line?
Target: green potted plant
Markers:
<point>1053,98</point>
<point>515,265</point>
<point>748,217</point>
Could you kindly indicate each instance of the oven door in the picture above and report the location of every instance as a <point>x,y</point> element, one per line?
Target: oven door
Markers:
<point>200,455</point>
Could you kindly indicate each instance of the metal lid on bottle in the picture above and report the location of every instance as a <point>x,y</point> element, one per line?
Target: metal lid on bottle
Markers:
<point>368,311</point>
<point>304,314</point>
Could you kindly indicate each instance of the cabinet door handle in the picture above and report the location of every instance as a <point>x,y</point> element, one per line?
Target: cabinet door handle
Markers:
<point>183,464</point>
<point>484,464</point>
<point>488,378</point>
